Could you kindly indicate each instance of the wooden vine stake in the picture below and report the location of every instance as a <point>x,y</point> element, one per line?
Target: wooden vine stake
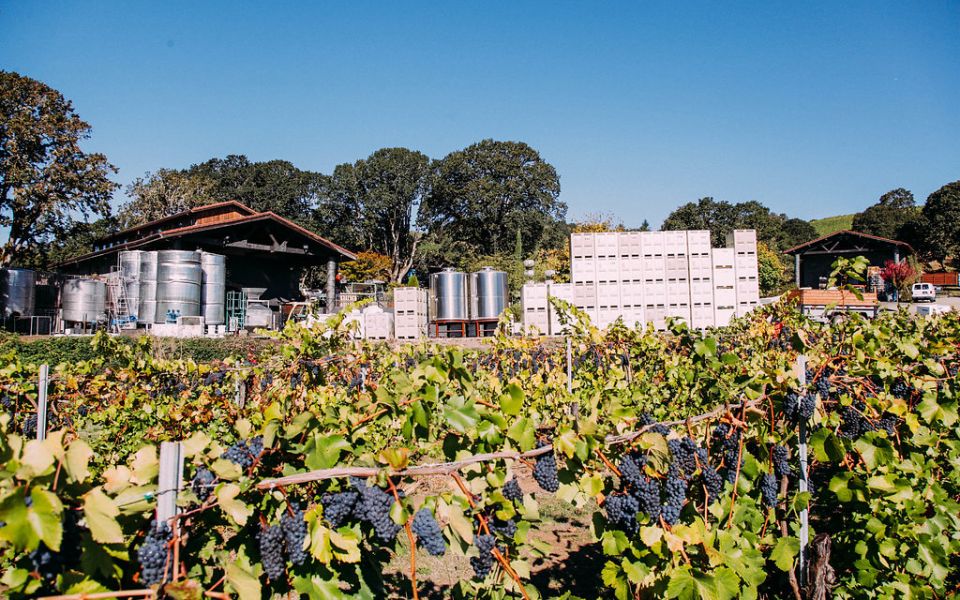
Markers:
<point>171,481</point>
<point>801,371</point>
<point>42,384</point>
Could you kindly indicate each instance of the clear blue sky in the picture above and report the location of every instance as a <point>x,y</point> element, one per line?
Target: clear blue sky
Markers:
<point>811,108</point>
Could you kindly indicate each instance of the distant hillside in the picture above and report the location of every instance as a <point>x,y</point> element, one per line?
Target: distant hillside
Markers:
<point>828,225</point>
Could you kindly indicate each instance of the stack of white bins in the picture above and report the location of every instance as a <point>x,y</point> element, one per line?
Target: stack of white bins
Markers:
<point>409,313</point>
<point>539,315</point>
<point>646,277</point>
<point>377,323</point>
<point>744,244</point>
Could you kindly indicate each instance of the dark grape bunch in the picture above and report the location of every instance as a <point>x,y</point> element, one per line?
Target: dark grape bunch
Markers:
<point>428,532</point>
<point>153,554</point>
<point>507,528</point>
<point>545,471</point>
<point>244,453</point>
<point>294,527</point>
<point>684,453</point>
<point>271,552</point>
<point>712,482</point>
<point>202,483</point>
<point>373,507</point>
<point>338,506</point>
<point>853,423</point>
<point>46,563</point>
<point>799,408</point>
<point>728,439</point>
<point>29,426</point>
<point>622,512</point>
<point>781,461</point>
<point>674,495</point>
<point>484,563</point>
<point>511,490</point>
<point>768,489</point>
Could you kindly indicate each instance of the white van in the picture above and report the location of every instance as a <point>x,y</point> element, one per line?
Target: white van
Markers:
<point>924,292</point>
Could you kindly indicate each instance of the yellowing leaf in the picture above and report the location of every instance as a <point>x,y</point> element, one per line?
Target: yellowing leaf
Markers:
<point>348,543</point>
<point>243,579</point>
<point>195,444</point>
<point>77,459</point>
<point>117,478</point>
<point>238,511</point>
<point>100,513</point>
<point>145,465</point>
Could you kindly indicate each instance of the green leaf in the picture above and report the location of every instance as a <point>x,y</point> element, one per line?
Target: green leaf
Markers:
<point>101,516</point>
<point>242,578</point>
<point>784,553</point>
<point>460,414</point>
<point>325,451</point>
<point>512,401</point>
<point>523,433</point>
<point>682,585</point>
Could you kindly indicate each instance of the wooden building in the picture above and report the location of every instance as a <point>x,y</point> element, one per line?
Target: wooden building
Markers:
<point>263,249</point>
<point>812,259</point>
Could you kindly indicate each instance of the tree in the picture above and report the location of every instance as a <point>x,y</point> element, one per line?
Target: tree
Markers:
<point>275,185</point>
<point>46,179</point>
<point>482,195</point>
<point>888,217</point>
<point>369,266</point>
<point>597,223</point>
<point>717,217</point>
<point>163,193</point>
<point>941,213</point>
<point>76,241</point>
<point>797,231</point>
<point>371,203</point>
<point>722,217</point>
<point>771,270</point>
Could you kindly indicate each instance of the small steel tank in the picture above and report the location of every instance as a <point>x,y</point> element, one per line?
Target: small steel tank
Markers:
<point>148,287</point>
<point>213,291</point>
<point>84,300</point>
<point>130,261</point>
<point>178,284</point>
<point>17,292</point>
<point>488,293</point>
<point>448,295</point>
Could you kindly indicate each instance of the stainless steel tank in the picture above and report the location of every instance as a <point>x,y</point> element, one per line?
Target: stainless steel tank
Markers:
<point>488,293</point>
<point>213,291</point>
<point>448,295</point>
<point>17,292</point>
<point>130,261</point>
<point>148,287</point>
<point>84,300</point>
<point>178,284</point>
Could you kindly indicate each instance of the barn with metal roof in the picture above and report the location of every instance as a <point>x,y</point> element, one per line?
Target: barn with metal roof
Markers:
<point>812,259</point>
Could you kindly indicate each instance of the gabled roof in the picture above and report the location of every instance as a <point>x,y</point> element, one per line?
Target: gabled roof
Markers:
<point>155,232</point>
<point>875,238</point>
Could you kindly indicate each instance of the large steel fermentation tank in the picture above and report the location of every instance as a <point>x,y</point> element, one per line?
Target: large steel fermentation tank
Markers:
<point>84,300</point>
<point>17,292</point>
<point>178,284</point>
<point>130,261</point>
<point>148,287</point>
<point>213,292</point>
<point>488,293</point>
<point>448,295</point>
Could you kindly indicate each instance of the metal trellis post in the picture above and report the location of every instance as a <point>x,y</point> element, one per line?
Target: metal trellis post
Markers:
<point>42,384</point>
<point>802,450</point>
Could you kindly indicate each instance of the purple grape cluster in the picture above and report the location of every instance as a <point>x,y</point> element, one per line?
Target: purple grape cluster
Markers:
<point>428,532</point>
<point>483,563</point>
<point>153,554</point>
<point>545,471</point>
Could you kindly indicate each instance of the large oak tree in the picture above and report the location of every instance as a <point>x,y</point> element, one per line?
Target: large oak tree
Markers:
<point>46,180</point>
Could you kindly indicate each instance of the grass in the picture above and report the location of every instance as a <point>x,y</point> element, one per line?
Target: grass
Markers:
<point>828,225</point>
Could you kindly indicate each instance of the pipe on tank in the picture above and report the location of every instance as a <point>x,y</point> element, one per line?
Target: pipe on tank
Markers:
<point>331,285</point>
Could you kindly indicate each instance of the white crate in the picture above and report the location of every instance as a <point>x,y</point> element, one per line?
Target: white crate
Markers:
<point>722,315</point>
<point>700,263</point>
<point>654,268</point>
<point>630,245</point>
<point>745,307</point>
<point>698,242</point>
<point>701,317</point>
<point>608,295</point>
<point>534,323</point>
<point>651,243</point>
<point>748,291</point>
<point>656,314</point>
<point>563,291</point>
<point>701,290</point>
<point>654,293</point>
<point>585,296</point>
<point>631,269</point>
<point>608,270</point>
<point>746,263</point>
<point>607,244</point>
<point>582,245</point>
<point>634,316</point>
<point>583,270</point>
<point>678,291</point>
<point>724,296</point>
<point>723,257</point>
<point>679,310</point>
<point>533,295</point>
<point>631,293</point>
<point>676,264</point>
<point>742,238</point>
<point>675,243</point>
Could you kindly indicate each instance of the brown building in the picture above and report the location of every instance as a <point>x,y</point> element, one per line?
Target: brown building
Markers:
<point>263,249</point>
<point>812,259</point>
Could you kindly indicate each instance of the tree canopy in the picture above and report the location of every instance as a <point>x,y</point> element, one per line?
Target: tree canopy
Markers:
<point>371,203</point>
<point>941,214</point>
<point>722,217</point>
<point>889,215</point>
<point>46,179</point>
<point>482,195</point>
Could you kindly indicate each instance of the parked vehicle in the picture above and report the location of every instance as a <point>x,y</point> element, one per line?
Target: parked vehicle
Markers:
<point>924,292</point>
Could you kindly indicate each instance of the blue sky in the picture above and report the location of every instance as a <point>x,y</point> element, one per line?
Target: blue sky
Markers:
<point>811,108</point>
